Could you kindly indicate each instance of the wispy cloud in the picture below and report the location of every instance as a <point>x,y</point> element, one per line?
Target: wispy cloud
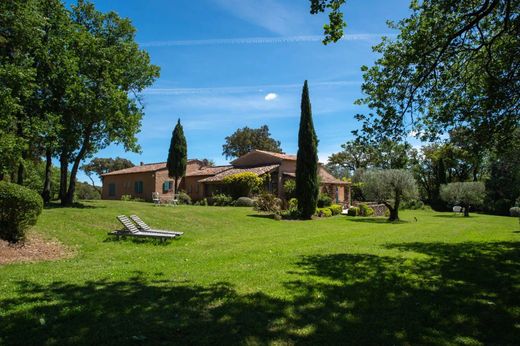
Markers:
<point>283,18</point>
<point>246,88</point>
<point>370,37</point>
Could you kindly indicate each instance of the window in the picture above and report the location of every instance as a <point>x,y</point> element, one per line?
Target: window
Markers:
<point>112,190</point>
<point>138,187</point>
<point>167,186</point>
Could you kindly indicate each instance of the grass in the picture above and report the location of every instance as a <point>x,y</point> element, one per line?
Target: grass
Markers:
<point>236,278</point>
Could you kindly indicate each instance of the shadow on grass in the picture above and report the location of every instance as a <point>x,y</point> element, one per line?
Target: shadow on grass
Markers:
<point>262,216</point>
<point>376,220</point>
<point>134,240</point>
<point>461,293</point>
<point>77,205</point>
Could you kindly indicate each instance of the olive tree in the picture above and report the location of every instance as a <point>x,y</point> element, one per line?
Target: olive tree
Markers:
<point>465,194</point>
<point>389,187</point>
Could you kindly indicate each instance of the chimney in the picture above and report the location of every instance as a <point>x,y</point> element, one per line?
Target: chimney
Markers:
<point>142,163</point>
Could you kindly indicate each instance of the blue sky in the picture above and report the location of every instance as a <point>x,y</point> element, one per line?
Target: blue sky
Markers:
<point>226,64</point>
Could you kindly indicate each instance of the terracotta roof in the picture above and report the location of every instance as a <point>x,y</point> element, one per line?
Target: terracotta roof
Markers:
<point>325,177</point>
<point>208,171</point>
<point>279,155</point>
<point>257,170</point>
<point>149,167</point>
<point>154,167</point>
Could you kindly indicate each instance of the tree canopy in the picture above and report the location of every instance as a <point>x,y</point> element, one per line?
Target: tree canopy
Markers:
<point>246,139</point>
<point>70,85</point>
<point>464,193</point>
<point>390,187</point>
<point>454,63</point>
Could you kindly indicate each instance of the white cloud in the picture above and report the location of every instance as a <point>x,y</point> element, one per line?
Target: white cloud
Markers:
<point>270,96</point>
<point>369,37</point>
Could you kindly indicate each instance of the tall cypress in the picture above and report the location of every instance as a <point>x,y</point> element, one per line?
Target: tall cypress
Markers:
<point>307,187</point>
<point>177,155</point>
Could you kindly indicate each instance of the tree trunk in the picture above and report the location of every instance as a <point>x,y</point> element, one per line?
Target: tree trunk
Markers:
<point>175,186</point>
<point>1,176</point>
<point>394,214</point>
<point>20,174</point>
<point>64,167</point>
<point>466,210</point>
<point>69,197</point>
<point>46,193</point>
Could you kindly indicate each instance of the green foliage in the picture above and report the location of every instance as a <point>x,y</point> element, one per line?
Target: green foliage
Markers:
<point>365,210</point>
<point>324,200</point>
<point>323,212</point>
<point>386,154</point>
<point>412,204</point>
<point>244,202</point>
<point>85,191</point>
<point>243,184</point>
<point>220,200</point>
<point>268,203</point>
<point>19,209</point>
<point>336,209</point>
<point>307,187</point>
<point>466,194</point>
<point>101,165</point>
<point>126,198</point>
<point>246,139</point>
<point>515,211</point>
<point>293,203</point>
<point>353,211</point>
<point>390,187</point>
<point>184,198</point>
<point>289,188</point>
<point>177,155</point>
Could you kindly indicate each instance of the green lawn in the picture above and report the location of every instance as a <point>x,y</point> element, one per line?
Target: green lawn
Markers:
<point>238,278</point>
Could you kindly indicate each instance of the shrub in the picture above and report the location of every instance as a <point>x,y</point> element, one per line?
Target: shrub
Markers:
<point>268,203</point>
<point>323,212</point>
<point>336,209</point>
<point>221,200</point>
<point>365,210</point>
<point>126,198</point>
<point>243,184</point>
<point>244,202</point>
<point>289,188</point>
<point>293,203</point>
<point>184,198</point>
<point>515,211</point>
<point>290,214</point>
<point>353,211</point>
<point>413,204</point>
<point>19,209</point>
<point>324,201</point>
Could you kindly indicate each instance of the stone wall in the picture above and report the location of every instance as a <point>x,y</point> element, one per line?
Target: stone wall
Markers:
<point>379,209</point>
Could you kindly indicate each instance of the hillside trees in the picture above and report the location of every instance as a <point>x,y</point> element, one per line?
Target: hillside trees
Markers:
<point>247,139</point>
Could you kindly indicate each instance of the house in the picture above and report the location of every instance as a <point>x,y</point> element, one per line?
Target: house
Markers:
<point>204,181</point>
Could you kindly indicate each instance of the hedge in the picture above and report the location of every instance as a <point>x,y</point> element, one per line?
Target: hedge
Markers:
<point>19,210</point>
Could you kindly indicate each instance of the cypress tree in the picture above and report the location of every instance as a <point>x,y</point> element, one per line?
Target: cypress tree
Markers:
<point>307,187</point>
<point>177,155</point>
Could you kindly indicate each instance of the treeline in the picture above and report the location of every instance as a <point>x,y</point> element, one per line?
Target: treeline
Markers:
<point>456,159</point>
<point>70,83</point>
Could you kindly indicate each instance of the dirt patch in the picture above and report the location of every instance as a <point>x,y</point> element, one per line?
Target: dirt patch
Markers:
<point>35,249</point>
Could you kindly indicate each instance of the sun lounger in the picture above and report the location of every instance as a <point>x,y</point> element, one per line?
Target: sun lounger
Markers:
<point>131,230</point>
<point>145,228</point>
